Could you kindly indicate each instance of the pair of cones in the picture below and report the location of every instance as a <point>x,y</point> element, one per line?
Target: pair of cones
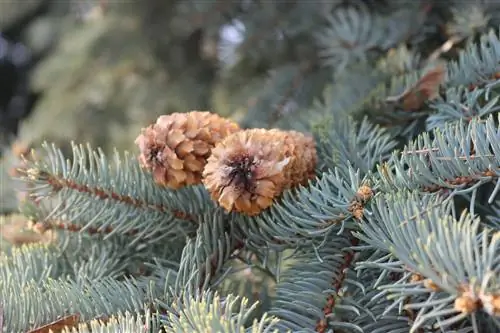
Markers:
<point>243,170</point>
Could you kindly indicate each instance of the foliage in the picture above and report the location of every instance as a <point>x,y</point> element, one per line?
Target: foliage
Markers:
<point>398,232</point>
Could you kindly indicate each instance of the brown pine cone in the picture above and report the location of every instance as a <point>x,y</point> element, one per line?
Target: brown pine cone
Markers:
<point>175,149</point>
<point>250,168</point>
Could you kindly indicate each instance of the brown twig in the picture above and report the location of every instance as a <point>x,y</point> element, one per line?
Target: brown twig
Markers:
<point>337,283</point>
<point>460,180</point>
<point>427,151</point>
<point>71,227</point>
<point>58,183</point>
<point>16,232</point>
<point>295,83</point>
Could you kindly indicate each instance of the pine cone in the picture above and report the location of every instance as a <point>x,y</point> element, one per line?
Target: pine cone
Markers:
<point>250,168</point>
<point>175,149</point>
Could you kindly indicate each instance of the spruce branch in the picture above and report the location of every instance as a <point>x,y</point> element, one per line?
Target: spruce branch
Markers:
<point>341,45</point>
<point>272,27</point>
<point>306,294</point>
<point>203,261</point>
<point>458,159</point>
<point>307,214</point>
<point>338,283</point>
<point>295,83</point>
<point>376,311</point>
<point>29,263</point>
<point>362,145</point>
<point>461,103</point>
<point>76,227</point>
<point>69,321</point>
<point>286,90</point>
<point>470,18</point>
<point>377,95</point>
<point>81,260</point>
<point>373,320</point>
<point>37,305</point>
<point>456,257</point>
<point>424,90</point>
<point>101,195</point>
<point>255,274</point>
<point>92,257</point>
<point>357,35</point>
<point>400,61</point>
<point>343,97</point>
<point>209,312</point>
<point>123,322</point>
<point>399,100</point>
<point>477,63</point>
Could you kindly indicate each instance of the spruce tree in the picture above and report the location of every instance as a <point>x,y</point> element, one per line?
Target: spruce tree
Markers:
<point>389,222</point>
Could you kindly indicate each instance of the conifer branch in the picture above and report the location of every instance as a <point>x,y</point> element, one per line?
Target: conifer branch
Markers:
<point>204,257</point>
<point>477,64</point>
<point>328,204</point>
<point>43,303</point>
<point>462,104</point>
<point>460,158</point>
<point>88,188</point>
<point>338,281</point>
<point>209,312</point>
<point>470,18</point>
<point>215,263</point>
<point>355,34</point>
<point>306,214</point>
<point>295,83</point>
<point>124,322</point>
<point>300,291</point>
<point>452,289</point>
<point>344,141</point>
<point>380,239</point>
<point>57,182</point>
<point>250,43</point>
<point>377,312</point>
<point>283,94</point>
<point>75,227</point>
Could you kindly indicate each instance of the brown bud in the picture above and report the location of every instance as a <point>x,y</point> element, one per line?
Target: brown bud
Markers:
<point>429,284</point>
<point>364,193</point>
<point>357,210</point>
<point>467,303</point>
<point>175,149</point>
<point>249,169</point>
<point>416,277</point>
<point>491,304</point>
